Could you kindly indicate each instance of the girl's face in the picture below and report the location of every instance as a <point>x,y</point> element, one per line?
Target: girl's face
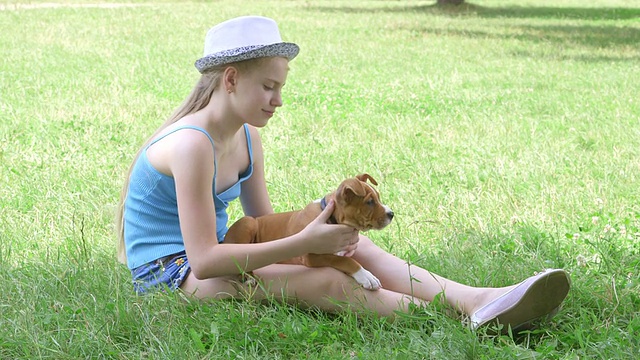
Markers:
<point>259,90</point>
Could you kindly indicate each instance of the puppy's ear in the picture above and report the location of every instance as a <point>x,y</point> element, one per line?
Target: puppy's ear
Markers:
<point>351,188</point>
<point>364,177</point>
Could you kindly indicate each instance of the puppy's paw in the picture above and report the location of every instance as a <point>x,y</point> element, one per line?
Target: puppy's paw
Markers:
<point>345,253</point>
<point>367,279</point>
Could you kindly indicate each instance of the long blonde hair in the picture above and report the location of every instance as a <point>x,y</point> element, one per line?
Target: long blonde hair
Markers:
<point>199,97</point>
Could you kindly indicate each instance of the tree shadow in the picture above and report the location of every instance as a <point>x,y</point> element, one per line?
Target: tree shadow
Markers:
<point>619,38</point>
<point>612,43</point>
<point>608,13</point>
<point>521,12</point>
<point>602,36</point>
<point>469,9</point>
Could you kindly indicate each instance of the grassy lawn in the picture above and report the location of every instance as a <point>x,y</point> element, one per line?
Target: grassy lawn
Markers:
<point>505,135</point>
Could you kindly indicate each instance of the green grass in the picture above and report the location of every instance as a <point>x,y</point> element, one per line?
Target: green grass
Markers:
<point>504,134</point>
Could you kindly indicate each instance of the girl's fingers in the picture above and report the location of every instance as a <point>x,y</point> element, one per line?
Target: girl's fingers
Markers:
<point>326,213</point>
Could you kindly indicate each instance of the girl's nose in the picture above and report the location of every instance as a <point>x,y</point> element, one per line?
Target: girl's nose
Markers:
<point>276,100</point>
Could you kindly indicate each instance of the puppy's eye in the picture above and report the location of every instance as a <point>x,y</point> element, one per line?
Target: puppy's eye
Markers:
<point>371,202</point>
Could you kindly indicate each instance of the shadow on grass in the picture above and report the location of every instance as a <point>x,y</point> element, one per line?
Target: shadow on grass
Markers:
<point>519,12</point>
<point>613,43</point>
<point>621,39</point>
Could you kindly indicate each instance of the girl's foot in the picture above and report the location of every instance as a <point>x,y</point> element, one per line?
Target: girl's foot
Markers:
<point>536,297</point>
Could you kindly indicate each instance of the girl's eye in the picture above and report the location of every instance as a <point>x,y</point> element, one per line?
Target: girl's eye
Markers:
<point>267,87</point>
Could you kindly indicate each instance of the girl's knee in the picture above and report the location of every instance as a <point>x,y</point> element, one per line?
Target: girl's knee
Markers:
<point>215,288</point>
<point>337,285</point>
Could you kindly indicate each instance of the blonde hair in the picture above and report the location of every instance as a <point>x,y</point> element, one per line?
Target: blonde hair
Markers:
<point>199,97</point>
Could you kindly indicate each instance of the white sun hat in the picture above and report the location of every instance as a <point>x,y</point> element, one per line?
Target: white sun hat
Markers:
<point>243,38</point>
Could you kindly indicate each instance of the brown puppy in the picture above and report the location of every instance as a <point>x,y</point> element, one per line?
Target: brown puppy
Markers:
<point>357,204</point>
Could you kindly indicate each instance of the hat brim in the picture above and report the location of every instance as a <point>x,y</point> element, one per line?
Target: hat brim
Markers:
<point>283,49</point>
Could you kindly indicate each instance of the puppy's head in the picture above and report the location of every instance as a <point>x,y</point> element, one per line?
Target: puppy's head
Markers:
<point>358,204</point>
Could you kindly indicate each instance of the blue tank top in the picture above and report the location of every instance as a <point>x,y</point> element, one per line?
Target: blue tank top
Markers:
<point>151,223</point>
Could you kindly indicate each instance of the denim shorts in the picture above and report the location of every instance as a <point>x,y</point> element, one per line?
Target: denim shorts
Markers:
<point>166,273</point>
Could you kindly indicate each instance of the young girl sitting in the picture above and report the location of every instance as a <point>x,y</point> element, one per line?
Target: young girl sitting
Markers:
<point>173,216</point>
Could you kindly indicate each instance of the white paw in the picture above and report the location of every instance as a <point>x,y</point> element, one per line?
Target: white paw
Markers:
<point>345,253</point>
<point>367,279</point>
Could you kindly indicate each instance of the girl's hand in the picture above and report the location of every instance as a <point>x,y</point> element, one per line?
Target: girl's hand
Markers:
<point>323,238</point>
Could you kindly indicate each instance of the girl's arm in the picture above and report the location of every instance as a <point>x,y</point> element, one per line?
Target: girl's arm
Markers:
<point>254,196</point>
<point>191,165</point>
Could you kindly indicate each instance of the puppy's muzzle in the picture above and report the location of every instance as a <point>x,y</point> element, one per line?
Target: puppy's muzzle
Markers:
<point>388,212</point>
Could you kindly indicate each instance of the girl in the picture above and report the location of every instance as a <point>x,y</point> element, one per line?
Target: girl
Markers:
<point>173,217</point>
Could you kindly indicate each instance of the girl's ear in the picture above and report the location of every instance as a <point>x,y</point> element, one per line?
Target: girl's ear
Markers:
<point>230,79</point>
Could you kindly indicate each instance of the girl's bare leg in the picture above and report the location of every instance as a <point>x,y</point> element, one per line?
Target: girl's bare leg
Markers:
<point>333,291</point>
<point>396,275</point>
<point>325,288</point>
